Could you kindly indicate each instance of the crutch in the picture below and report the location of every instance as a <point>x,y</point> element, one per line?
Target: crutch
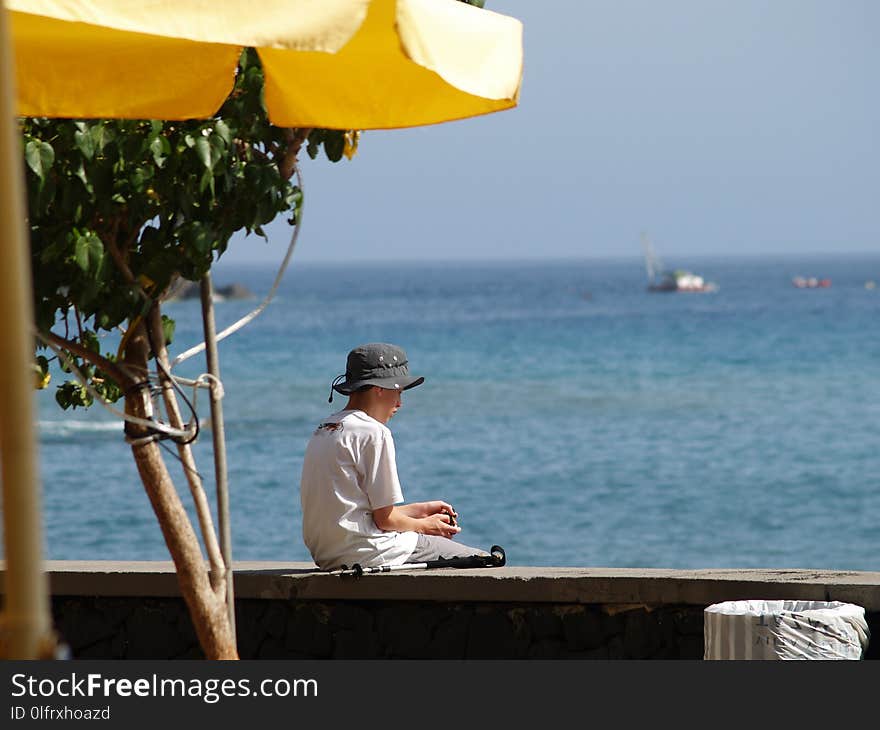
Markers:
<point>496,558</point>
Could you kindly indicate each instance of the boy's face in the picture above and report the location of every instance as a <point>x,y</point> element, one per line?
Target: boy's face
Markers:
<point>387,401</point>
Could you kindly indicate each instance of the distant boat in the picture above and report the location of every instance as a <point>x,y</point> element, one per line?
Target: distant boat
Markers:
<point>671,280</point>
<point>810,282</point>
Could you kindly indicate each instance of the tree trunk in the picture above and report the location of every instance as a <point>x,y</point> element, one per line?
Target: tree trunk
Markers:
<point>206,607</point>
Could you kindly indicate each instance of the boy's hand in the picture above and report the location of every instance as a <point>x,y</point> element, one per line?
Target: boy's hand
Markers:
<point>426,509</point>
<point>439,525</point>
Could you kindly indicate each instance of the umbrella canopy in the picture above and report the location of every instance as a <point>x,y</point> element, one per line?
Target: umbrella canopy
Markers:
<point>343,64</point>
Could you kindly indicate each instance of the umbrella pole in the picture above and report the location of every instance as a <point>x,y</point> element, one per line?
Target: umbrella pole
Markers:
<point>219,436</point>
<point>26,630</point>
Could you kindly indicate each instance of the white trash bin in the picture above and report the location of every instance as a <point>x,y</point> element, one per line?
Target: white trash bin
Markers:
<point>784,630</point>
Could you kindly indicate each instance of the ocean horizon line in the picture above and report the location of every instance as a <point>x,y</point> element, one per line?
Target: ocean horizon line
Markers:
<point>261,262</point>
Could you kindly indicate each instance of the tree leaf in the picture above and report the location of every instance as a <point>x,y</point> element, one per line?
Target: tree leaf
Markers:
<point>98,133</point>
<point>222,130</point>
<point>160,147</point>
<point>207,181</point>
<point>334,145</point>
<point>168,326</point>
<point>39,156</point>
<point>85,143</point>
<point>80,173</point>
<point>139,178</point>
<point>204,151</point>
<point>89,252</point>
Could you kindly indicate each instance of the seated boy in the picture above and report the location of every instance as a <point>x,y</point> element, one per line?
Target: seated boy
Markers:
<point>352,501</point>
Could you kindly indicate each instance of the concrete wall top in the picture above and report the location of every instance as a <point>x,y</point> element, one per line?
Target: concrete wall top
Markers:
<point>511,584</point>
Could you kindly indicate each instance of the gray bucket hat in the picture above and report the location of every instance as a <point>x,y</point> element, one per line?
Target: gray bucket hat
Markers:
<point>377,363</point>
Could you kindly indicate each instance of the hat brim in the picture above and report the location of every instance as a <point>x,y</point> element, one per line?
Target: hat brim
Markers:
<point>403,382</point>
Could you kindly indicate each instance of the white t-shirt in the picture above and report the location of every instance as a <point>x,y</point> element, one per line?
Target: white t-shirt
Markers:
<point>349,470</point>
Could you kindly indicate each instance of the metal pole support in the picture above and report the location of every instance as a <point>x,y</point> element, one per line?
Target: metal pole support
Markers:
<point>219,435</point>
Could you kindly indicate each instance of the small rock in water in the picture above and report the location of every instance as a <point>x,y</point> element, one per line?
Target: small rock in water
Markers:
<point>184,289</point>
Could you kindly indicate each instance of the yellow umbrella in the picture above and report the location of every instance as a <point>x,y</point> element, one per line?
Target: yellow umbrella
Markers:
<point>343,64</point>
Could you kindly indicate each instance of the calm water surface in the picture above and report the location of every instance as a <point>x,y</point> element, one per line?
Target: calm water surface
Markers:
<point>569,415</point>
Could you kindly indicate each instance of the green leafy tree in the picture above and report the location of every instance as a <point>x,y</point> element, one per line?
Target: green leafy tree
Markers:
<point>119,213</point>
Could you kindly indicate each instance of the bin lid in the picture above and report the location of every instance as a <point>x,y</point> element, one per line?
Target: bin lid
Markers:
<point>759,607</point>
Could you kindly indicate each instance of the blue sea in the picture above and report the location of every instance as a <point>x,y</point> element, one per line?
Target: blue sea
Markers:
<point>568,414</point>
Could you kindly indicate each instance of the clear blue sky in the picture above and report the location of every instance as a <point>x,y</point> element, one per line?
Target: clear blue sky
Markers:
<point>716,126</point>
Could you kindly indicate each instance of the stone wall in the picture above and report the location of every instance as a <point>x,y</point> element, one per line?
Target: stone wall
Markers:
<point>151,628</point>
<point>134,611</point>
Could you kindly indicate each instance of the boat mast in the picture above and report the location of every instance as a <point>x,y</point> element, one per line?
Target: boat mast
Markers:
<point>652,263</point>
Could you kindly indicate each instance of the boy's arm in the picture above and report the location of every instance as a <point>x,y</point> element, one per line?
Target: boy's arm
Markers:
<point>424,509</point>
<point>398,519</point>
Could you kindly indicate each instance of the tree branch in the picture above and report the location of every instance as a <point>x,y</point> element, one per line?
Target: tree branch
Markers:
<point>203,509</point>
<point>295,139</point>
<point>114,370</point>
<point>118,257</point>
<point>209,613</point>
